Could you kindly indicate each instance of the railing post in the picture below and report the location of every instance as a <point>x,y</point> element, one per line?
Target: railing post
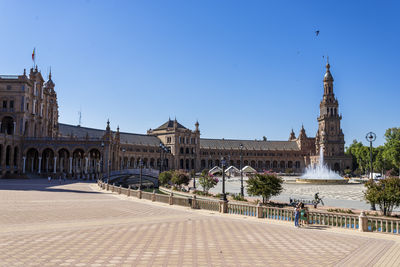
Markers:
<point>139,194</point>
<point>194,204</point>
<point>119,191</point>
<point>153,196</point>
<point>363,222</point>
<point>113,187</point>
<point>259,211</point>
<point>223,206</point>
<point>129,191</point>
<point>171,198</point>
<point>108,186</point>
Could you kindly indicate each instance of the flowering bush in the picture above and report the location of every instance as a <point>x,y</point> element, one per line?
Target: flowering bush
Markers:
<point>208,181</point>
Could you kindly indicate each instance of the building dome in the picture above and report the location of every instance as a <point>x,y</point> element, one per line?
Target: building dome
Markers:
<point>328,76</point>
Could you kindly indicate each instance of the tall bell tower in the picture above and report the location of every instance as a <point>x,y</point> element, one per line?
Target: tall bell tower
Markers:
<point>329,135</point>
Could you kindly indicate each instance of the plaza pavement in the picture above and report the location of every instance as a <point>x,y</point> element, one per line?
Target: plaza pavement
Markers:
<point>76,224</point>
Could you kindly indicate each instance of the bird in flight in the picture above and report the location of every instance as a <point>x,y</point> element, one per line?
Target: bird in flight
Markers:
<point>317,32</point>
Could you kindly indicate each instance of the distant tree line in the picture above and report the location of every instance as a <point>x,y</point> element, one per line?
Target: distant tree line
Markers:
<point>385,158</point>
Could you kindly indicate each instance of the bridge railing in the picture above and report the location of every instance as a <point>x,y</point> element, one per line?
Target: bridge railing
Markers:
<point>360,222</point>
<point>145,172</point>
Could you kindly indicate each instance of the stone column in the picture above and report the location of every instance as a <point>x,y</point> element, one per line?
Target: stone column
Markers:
<point>70,165</point>
<point>223,206</point>
<point>55,164</point>
<point>363,222</point>
<point>259,211</point>
<point>47,164</point>
<point>15,124</point>
<point>86,164</point>
<point>23,166</point>
<point>40,163</point>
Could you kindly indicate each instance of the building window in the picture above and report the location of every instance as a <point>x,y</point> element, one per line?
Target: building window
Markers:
<point>8,87</point>
<point>11,104</point>
<point>168,139</point>
<point>4,103</point>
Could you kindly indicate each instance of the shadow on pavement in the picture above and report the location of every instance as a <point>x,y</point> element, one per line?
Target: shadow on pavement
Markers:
<point>43,185</point>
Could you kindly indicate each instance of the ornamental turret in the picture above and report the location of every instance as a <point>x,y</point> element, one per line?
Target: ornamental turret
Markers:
<point>329,134</point>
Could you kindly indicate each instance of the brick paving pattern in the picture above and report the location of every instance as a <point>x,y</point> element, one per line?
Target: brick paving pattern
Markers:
<point>75,224</point>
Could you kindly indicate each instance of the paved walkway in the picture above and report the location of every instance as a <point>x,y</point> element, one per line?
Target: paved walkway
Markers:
<point>75,224</point>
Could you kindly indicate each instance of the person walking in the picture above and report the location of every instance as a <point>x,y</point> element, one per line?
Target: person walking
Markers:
<point>303,215</point>
<point>296,215</point>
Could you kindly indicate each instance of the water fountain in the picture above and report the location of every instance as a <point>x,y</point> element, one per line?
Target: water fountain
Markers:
<point>320,174</point>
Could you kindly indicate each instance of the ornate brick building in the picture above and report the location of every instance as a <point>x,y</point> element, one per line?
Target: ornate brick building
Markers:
<point>33,141</point>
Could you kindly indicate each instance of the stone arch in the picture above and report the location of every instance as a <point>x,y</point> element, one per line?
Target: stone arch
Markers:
<point>7,125</point>
<point>336,167</point>
<point>267,164</point>
<point>16,156</point>
<point>203,163</point>
<point>282,164</point>
<point>146,162</point>
<point>253,164</point>
<point>274,164</point>
<point>93,161</point>
<point>152,163</point>
<point>132,162</point>
<point>297,164</point>
<point>210,163</point>
<point>260,164</point>
<point>217,163</point>
<point>245,163</point>
<point>290,164</point>
<point>78,155</point>
<point>187,164</point>
<point>32,160</point>
<point>63,156</point>
<point>47,161</point>
<point>8,155</point>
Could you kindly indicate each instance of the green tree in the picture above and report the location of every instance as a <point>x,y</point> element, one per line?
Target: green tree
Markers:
<point>207,181</point>
<point>392,147</point>
<point>165,177</point>
<point>385,193</point>
<point>179,178</point>
<point>265,185</point>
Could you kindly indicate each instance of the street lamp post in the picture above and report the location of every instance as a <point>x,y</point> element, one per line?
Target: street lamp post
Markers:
<point>194,167</point>
<point>140,177</point>
<point>123,159</point>
<point>161,149</point>
<point>241,172</point>
<point>370,138</point>
<point>102,159</point>
<point>223,163</point>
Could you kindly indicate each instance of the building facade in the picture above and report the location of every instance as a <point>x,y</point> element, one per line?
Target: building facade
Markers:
<point>32,141</point>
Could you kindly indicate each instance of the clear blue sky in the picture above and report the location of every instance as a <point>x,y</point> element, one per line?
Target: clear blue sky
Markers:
<point>244,69</point>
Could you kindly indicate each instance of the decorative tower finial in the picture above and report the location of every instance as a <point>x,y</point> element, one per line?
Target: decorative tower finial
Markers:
<point>50,74</point>
<point>292,135</point>
<point>197,125</point>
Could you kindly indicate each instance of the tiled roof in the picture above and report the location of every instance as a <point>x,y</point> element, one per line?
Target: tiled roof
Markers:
<point>126,138</point>
<point>139,139</point>
<point>169,124</point>
<point>79,131</point>
<point>247,144</point>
